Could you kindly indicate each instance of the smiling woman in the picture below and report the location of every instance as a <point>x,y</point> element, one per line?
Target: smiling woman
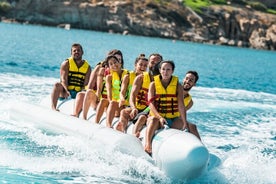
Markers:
<point>166,103</point>
<point>113,86</point>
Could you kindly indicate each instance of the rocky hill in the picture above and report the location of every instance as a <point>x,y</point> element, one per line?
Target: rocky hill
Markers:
<point>229,24</point>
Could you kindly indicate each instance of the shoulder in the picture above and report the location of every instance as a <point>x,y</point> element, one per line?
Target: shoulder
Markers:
<point>97,67</point>
<point>125,77</point>
<point>65,63</point>
<point>86,63</point>
<point>140,77</point>
<point>152,83</point>
<point>109,78</point>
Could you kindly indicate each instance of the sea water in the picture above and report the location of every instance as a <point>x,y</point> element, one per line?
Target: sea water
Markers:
<point>234,109</point>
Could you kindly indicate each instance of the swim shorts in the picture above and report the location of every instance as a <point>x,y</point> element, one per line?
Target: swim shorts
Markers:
<point>170,121</point>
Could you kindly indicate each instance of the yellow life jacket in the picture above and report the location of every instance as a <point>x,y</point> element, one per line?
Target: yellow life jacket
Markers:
<point>166,99</point>
<point>187,100</point>
<point>76,76</point>
<point>132,76</point>
<point>116,84</point>
<point>142,97</point>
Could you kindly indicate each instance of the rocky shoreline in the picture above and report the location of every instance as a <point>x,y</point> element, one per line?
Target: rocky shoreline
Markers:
<point>223,25</point>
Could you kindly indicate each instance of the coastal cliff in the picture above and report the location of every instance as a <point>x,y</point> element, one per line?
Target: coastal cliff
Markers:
<point>223,24</point>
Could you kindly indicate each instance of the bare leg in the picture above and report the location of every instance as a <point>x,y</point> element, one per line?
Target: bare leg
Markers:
<point>100,109</point>
<point>152,125</point>
<point>110,113</point>
<point>78,104</point>
<point>90,99</point>
<point>193,130</point>
<point>57,91</point>
<point>124,118</point>
<point>142,120</point>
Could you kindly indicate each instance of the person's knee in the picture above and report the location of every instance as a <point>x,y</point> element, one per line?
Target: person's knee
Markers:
<point>89,90</point>
<point>142,118</point>
<point>113,104</point>
<point>89,93</point>
<point>153,122</point>
<point>151,118</point>
<point>58,86</point>
<point>124,113</point>
<point>104,102</point>
<point>80,95</point>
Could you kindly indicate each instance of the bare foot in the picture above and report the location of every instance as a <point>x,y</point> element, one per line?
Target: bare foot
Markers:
<point>137,134</point>
<point>120,127</point>
<point>148,150</point>
<point>55,109</point>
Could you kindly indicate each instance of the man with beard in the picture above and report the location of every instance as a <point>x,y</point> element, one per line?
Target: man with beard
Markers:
<point>189,82</point>
<point>74,76</point>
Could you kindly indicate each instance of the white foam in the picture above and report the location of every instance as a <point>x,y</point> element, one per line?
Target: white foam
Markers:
<point>244,144</point>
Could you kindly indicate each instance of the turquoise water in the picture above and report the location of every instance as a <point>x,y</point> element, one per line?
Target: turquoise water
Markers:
<point>235,108</point>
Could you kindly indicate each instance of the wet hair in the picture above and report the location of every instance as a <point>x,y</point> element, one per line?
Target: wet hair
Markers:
<point>167,61</point>
<point>141,57</point>
<point>194,73</point>
<point>115,52</point>
<point>76,45</point>
<point>110,57</point>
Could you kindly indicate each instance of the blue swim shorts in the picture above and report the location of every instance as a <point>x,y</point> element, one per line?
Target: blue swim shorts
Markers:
<point>170,121</point>
<point>73,94</point>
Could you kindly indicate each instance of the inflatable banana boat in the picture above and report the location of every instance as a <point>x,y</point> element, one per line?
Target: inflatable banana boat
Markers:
<point>178,153</point>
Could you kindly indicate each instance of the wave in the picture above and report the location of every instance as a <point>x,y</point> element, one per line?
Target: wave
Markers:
<point>15,84</point>
<point>70,158</point>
